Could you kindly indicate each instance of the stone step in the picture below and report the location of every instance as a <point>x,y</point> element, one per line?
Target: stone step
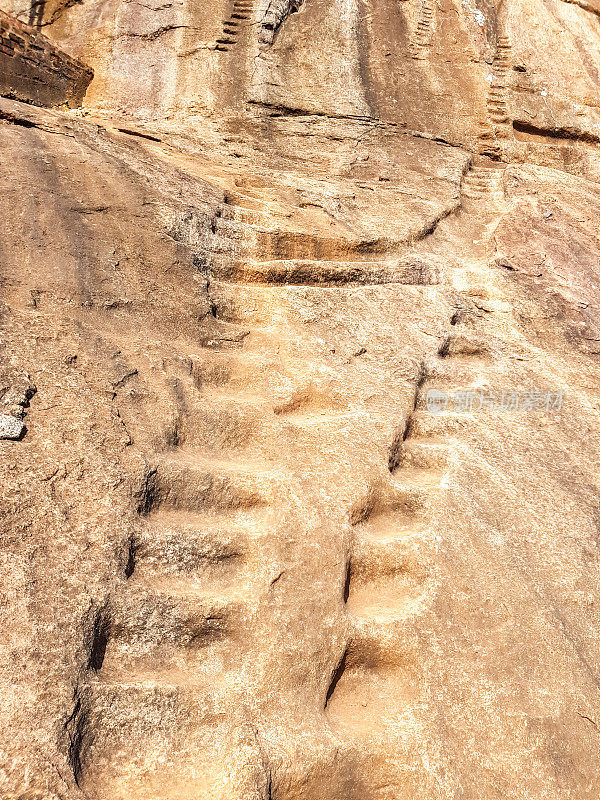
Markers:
<point>166,620</point>
<point>247,378</point>
<point>424,453</point>
<point>388,639</point>
<point>312,272</point>
<point>188,480</point>
<point>183,542</point>
<point>385,600</point>
<point>430,424</point>
<point>395,555</point>
<point>401,506</point>
<point>156,740</point>
<point>238,213</point>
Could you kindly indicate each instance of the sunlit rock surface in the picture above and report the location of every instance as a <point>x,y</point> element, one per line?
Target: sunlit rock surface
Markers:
<point>300,318</point>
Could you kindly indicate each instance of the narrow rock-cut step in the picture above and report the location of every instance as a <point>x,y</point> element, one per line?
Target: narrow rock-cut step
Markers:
<point>385,599</point>
<point>254,384</point>
<point>393,556</point>
<point>236,228</point>
<point>366,703</point>
<point>428,424</point>
<point>247,374</point>
<point>241,14</point>
<point>461,400</point>
<point>223,336</point>
<point>464,347</point>
<point>377,713</point>
<point>322,272</point>
<point>397,509</point>
<point>376,685</point>
<point>184,541</point>
<point>395,524</point>
<point>200,550</point>
<point>387,638</point>
<point>186,479</point>
<point>228,422</point>
<point>485,180</point>
<point>315,421</point>
<point>422,38</point>
<point>424,453</point>
<point>154,631</point>
<point>238,213</point>
<point>267,204</point>
<point>155,741</point>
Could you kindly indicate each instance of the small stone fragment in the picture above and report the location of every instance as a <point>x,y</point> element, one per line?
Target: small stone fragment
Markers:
<point>10,427</point>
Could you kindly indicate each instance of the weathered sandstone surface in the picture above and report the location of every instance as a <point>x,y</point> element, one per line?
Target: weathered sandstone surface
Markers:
<point>244,556</point>
<point>33,71</point>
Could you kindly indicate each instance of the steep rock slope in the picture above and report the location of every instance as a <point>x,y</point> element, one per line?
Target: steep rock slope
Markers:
<point>246,554</point>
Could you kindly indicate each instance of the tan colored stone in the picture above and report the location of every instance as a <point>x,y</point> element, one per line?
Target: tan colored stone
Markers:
<point>245,555</point>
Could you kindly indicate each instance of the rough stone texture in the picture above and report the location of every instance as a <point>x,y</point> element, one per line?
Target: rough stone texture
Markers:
<point>33,71</point>
<point>10,427</point>
<point>246,554</point>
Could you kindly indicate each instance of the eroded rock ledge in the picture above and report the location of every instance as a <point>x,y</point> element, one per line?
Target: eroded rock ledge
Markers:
<point>35,71</point>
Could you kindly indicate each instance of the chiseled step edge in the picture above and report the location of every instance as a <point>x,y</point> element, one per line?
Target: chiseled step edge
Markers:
<point>390,640</point>
<point>446,423</point>
<point>309,272</point>
<point>186,479</point>
<point>385,600</point>
<point>403,553</point>
<point>181,542</point>
<point>425,453</point>
<point>151,616</point>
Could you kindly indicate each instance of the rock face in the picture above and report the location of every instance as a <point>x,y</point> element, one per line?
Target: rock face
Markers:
<point>302,308</point>
<point>34,71</point>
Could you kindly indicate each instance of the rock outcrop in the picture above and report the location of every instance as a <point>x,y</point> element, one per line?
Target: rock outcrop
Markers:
<point>33,71</point>
<point>300,322</point>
